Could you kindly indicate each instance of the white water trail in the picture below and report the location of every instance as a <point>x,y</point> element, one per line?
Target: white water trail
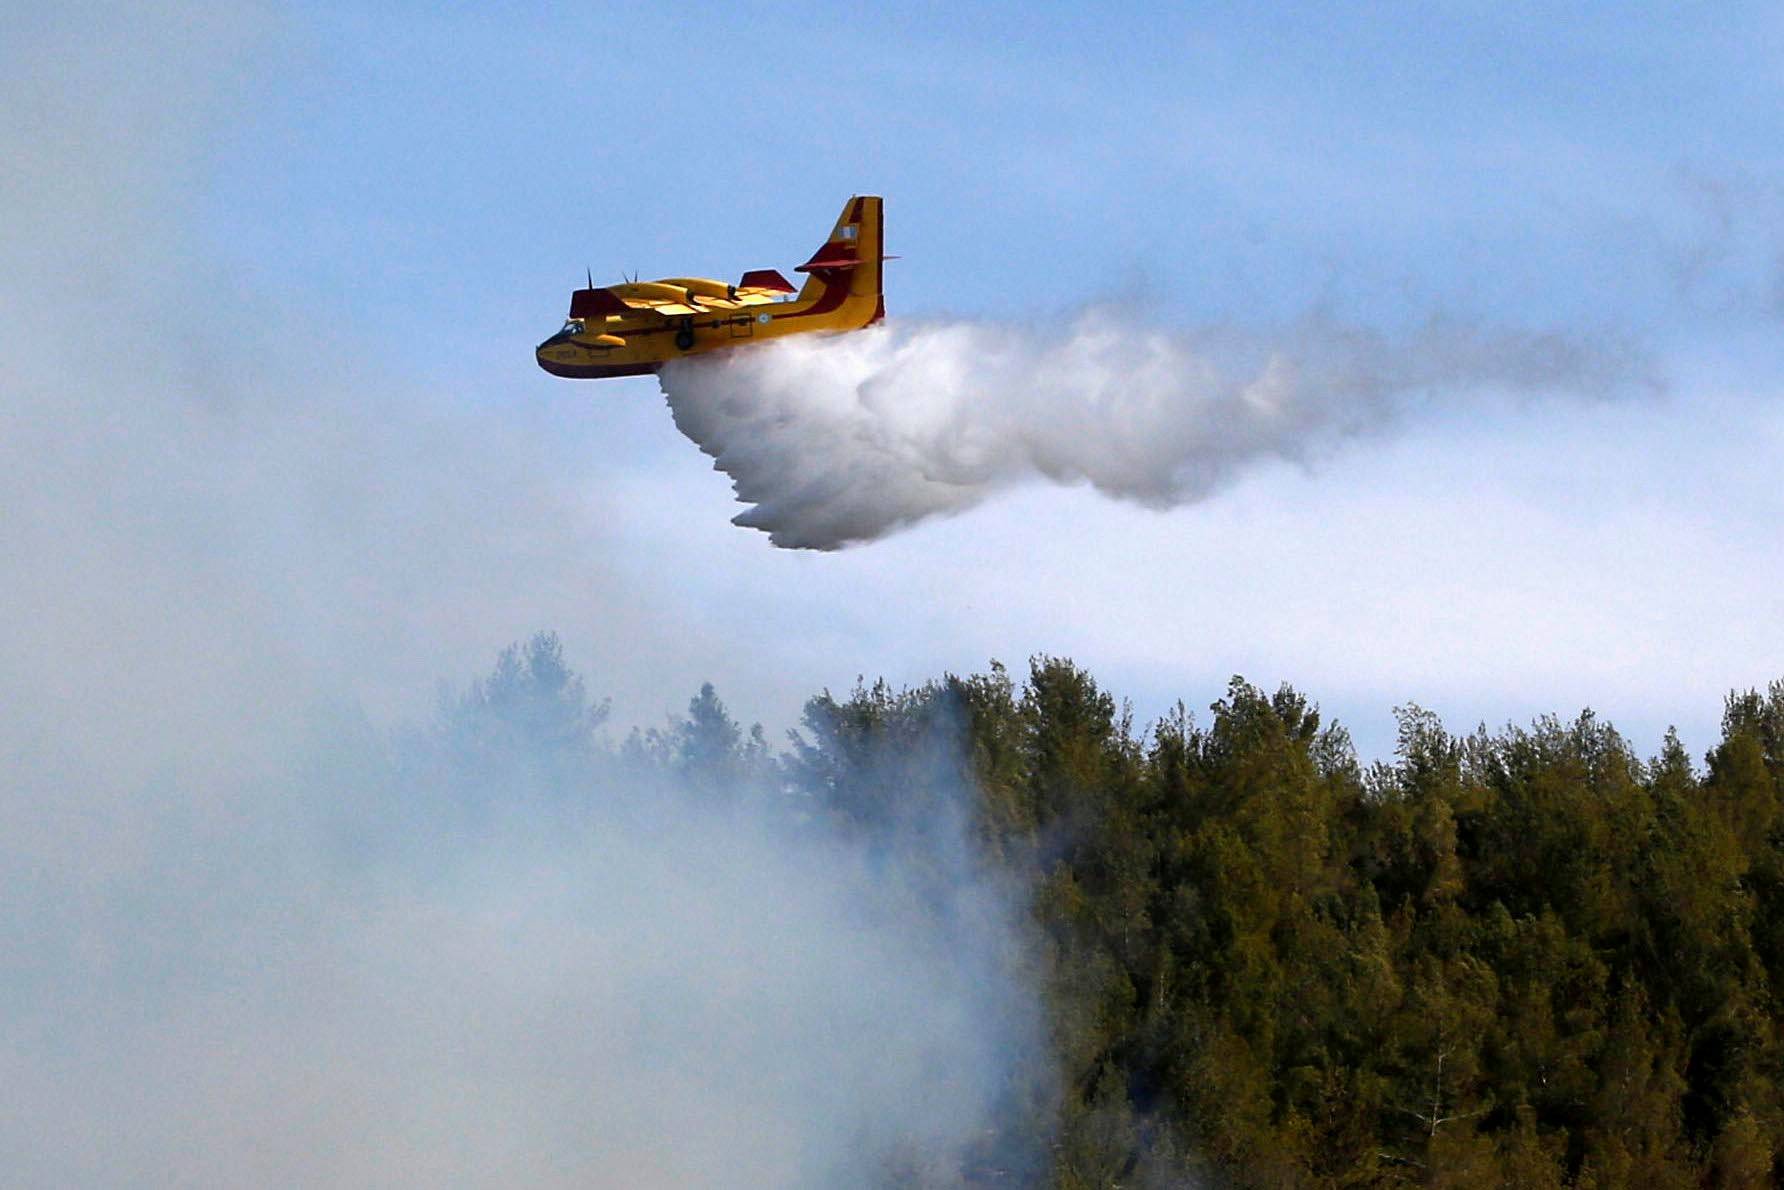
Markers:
<point>839,440</point>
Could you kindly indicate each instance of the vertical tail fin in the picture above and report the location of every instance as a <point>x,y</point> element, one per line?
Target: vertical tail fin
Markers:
<point>851,257</point>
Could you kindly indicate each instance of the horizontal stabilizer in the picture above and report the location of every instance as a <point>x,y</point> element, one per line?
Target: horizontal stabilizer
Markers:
<point>834,255</point>
<point>767,280</point>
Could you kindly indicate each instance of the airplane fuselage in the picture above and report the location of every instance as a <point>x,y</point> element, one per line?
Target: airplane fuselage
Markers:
<point>635,328</point>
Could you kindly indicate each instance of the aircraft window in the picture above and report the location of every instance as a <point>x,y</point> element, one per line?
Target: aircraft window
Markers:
<point>572,327</point>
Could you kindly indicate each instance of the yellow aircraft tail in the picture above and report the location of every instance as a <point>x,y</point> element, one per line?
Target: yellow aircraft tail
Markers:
<point>848,268</point>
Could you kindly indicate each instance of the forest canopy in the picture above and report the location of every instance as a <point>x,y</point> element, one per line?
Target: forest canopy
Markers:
<point>1522,957</point>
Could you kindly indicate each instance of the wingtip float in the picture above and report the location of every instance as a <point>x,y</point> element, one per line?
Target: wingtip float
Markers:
<point>634,328</point>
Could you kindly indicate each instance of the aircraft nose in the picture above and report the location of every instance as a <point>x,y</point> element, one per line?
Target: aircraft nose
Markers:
<point>550,358</point>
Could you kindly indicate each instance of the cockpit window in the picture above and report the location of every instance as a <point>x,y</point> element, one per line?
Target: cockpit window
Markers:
<point>572,327</point>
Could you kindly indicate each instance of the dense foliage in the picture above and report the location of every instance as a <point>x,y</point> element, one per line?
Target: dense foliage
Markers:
<point>1523,958</point>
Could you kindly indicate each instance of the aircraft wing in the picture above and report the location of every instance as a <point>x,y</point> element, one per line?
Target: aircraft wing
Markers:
<point>633,298</point>
<point>679,297</point>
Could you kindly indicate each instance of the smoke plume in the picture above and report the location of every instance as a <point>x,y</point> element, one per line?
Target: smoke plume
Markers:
<point>841,440</point>
<point>250,939</point>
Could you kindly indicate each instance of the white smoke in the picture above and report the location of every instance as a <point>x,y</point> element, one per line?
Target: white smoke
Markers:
<point>238,946</point>
<point>842,439</point>
<point>344,980</point>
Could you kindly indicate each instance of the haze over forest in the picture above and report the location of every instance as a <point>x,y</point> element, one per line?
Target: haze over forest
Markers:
<point>987,930</point>
<point>1418,359</point>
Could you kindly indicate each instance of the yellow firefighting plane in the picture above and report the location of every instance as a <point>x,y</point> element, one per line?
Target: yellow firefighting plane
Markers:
<point>638,326</point>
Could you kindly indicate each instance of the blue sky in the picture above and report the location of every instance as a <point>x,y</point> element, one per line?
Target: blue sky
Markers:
<point>390,203</point>
<point>1493,158</point>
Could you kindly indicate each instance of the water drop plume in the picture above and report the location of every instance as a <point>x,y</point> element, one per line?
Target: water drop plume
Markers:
<point>839,440</point>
